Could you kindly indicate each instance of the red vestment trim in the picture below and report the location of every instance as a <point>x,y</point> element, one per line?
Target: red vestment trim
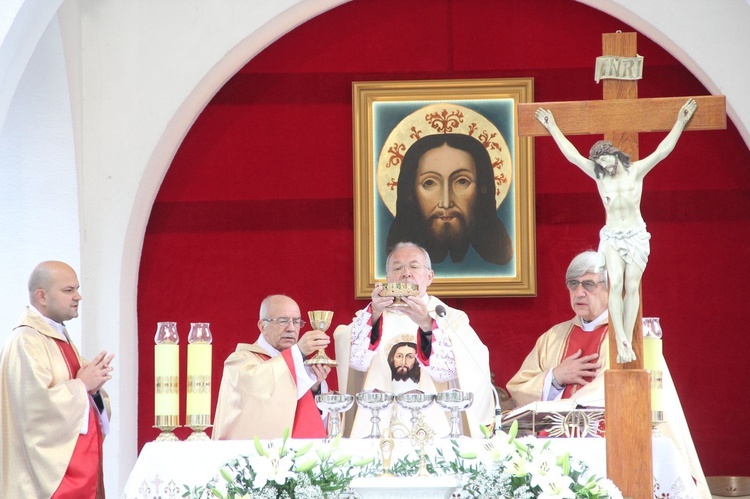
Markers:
<point>425,361</point>
<point>588,342</point>
<point>373,346</point>
<point>84,477</point>
<point>307,420</point>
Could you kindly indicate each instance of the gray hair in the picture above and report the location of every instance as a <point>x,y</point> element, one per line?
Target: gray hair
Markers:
<point>587,262</point>
<point>406,244</point>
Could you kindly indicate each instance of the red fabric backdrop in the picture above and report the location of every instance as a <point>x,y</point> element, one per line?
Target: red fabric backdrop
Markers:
<point>259,198</point>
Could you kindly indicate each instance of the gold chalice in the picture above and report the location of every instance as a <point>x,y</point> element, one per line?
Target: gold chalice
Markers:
<point>321,320</point>
<point>399,289</point>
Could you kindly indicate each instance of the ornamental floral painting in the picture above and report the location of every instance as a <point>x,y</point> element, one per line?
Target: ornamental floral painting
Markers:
<point>440,164</point>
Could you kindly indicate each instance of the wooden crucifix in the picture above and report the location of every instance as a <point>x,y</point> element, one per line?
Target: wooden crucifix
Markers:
<point>620,117</point>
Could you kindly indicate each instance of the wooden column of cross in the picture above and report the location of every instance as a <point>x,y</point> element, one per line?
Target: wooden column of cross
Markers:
<point>620,117</point>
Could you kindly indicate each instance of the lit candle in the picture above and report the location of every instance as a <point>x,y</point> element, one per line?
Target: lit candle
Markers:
<point>652,355</point>
<point>167,375</point>
<point>198,407</point>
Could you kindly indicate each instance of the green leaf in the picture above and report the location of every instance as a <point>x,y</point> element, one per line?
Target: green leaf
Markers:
<point>342,460</point>
<point>363,462</point>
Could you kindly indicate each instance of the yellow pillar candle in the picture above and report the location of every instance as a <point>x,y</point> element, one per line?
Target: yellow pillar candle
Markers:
<point>198,407</point>
<point>652,353</point>
<point>652,361</point>
<point>166,375</point>
<point>199,380</point>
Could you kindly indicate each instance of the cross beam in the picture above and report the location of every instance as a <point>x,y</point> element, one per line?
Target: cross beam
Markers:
<point>622,115</point>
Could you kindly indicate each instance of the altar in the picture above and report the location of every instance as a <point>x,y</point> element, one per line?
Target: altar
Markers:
<point>165,469</point>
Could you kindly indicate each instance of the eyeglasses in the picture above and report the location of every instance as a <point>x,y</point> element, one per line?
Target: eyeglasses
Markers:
<point>285,321</point>
<point>413,266</point>
<point>572,284</point>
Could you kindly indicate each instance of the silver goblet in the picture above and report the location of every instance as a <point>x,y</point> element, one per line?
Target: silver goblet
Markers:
<point>335,403</point>
<point>455,401</point>
<point>415,401</point>
<point>374,401</point>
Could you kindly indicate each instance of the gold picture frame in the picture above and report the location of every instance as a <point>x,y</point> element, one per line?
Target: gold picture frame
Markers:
<point>391,116</point>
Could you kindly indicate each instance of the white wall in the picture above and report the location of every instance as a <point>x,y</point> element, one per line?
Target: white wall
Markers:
<point>39,191</point>
<point>139,73</point>
<point>710,38</point>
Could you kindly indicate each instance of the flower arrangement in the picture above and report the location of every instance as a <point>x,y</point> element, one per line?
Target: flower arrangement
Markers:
<point>276,470</point>
<point>504,467</point>
<point>512,468</point>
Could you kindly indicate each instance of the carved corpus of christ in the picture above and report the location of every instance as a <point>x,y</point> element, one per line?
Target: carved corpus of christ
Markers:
<point>623,241</point>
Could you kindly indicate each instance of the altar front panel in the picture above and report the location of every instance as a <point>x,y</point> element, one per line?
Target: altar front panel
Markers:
<point>164,469</point>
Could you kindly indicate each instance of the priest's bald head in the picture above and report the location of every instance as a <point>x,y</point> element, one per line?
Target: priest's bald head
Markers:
<point>53,291</point>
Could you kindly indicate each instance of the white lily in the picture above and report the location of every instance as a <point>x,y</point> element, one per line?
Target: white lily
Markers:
<point>271,467</point>
<point>557,487</point>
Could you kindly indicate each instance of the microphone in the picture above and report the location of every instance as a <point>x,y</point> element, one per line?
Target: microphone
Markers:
<point>441,312</point>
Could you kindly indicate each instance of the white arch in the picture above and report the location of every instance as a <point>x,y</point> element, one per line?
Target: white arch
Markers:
<point>711,42</point>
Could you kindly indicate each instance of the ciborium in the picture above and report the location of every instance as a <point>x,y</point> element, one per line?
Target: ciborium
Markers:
<point>321,320</point>
<point>455,401</point>
<point>374,401</point>
<point>335,403</point>
<point>398,290</point>
<point>415,401</point>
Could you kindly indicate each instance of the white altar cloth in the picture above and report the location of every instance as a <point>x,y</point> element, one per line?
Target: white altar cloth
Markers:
<point>164,468</point>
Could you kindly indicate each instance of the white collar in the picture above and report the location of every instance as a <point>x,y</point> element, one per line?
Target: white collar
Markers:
<point>60,328</point>
<point>590,326</point>
<point>265,345</point>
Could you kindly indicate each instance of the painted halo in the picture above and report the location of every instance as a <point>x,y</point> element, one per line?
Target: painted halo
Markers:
<point>435,119</point>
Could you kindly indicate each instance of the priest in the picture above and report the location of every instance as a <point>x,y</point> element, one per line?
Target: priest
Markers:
<point>569,360</point>
<point>266,388</point>
<point>423,345</point>
<point>54,412</point>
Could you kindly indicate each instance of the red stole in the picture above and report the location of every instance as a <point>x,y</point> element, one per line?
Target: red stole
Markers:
<point>307,420</point>
<point>83,478</point>
<point>587,342</point>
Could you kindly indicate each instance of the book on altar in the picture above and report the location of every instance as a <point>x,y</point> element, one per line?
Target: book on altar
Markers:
<point>537,410</point>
